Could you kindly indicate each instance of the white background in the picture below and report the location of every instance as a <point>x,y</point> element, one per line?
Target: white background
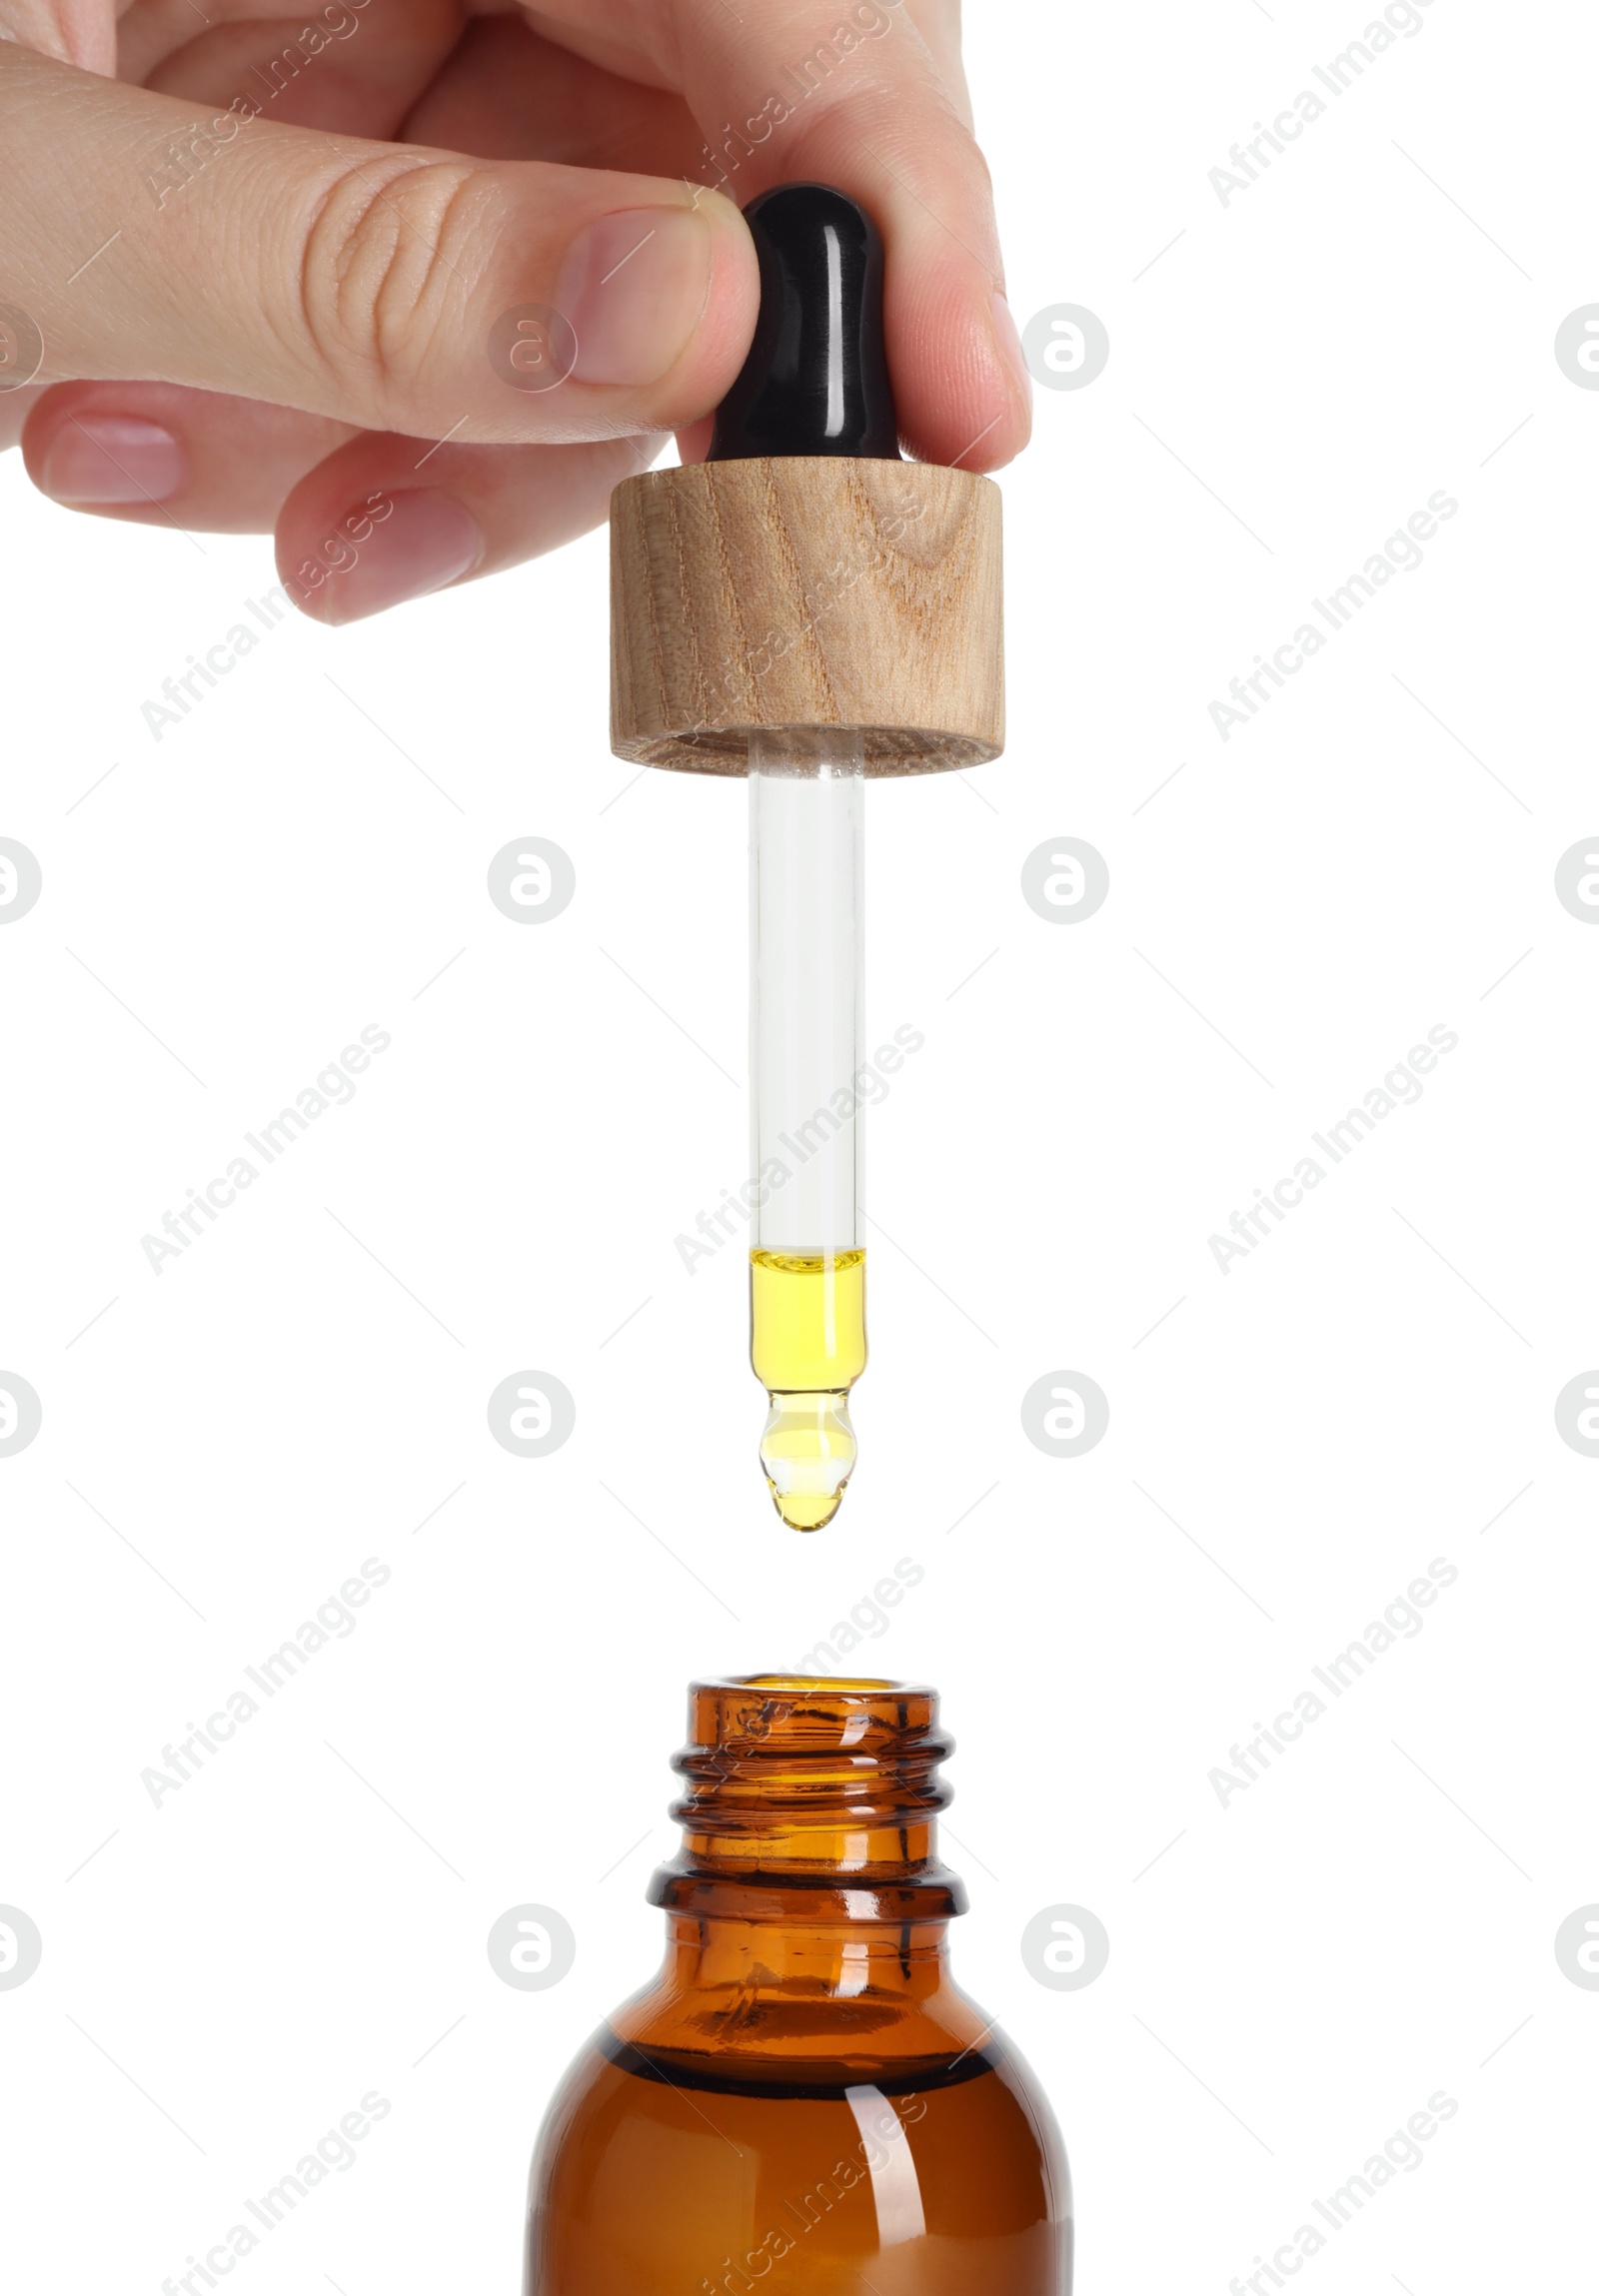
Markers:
<point>1370,1389</point>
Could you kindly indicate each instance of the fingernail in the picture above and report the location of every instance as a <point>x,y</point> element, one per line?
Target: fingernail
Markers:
<point>428,540</point>
<point>106,459</point>
<point>1009,338</point>
<point>633,286</point>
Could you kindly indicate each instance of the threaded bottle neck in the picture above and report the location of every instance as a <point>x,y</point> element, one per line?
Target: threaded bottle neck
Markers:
<point>812,1801</point>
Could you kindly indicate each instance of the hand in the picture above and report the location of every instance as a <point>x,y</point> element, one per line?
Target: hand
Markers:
<point>267,280</point>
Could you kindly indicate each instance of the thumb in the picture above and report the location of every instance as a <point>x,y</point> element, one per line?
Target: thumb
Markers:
<point>387,286</point>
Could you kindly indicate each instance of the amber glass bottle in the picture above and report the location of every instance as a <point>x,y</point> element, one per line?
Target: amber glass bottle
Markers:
<point>803,2101</point>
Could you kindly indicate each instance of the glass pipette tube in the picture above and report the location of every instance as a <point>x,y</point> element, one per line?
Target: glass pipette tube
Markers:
<point>808,1263</point>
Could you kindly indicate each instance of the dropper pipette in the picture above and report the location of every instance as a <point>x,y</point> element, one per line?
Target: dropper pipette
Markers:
<point>807,1262</point>
<point>806,608</point>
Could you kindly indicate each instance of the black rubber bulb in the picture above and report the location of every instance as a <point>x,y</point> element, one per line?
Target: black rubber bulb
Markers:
<point>816,379</point>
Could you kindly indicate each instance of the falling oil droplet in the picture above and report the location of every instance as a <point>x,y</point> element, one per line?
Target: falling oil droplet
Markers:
<point>808,1452</point>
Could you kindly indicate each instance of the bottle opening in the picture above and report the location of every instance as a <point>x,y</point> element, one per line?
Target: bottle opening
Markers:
<point>858,1687</point>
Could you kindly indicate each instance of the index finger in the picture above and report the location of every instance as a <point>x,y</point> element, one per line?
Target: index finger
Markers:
<point>383,285</point>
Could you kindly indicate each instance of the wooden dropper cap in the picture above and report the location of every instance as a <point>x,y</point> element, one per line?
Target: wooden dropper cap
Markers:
<point>804,577</point>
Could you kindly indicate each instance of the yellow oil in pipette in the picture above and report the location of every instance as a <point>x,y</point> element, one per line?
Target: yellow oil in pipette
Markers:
<point>808,1343</point>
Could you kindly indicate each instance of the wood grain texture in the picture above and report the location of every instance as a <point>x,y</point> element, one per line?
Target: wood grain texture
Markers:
<point>807,592</point>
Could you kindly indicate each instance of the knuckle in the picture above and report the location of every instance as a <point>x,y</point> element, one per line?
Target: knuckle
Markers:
<point>387,267</point>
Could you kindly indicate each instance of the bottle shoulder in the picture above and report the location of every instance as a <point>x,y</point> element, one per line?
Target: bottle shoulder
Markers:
<point>823,2052</point>
<point>655,2164</point>
<point>747,2024</point>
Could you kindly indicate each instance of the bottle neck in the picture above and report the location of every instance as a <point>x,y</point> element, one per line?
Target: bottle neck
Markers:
<point>808,1912</point>
<point>825,1962</point>
<point>811,1808</point>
